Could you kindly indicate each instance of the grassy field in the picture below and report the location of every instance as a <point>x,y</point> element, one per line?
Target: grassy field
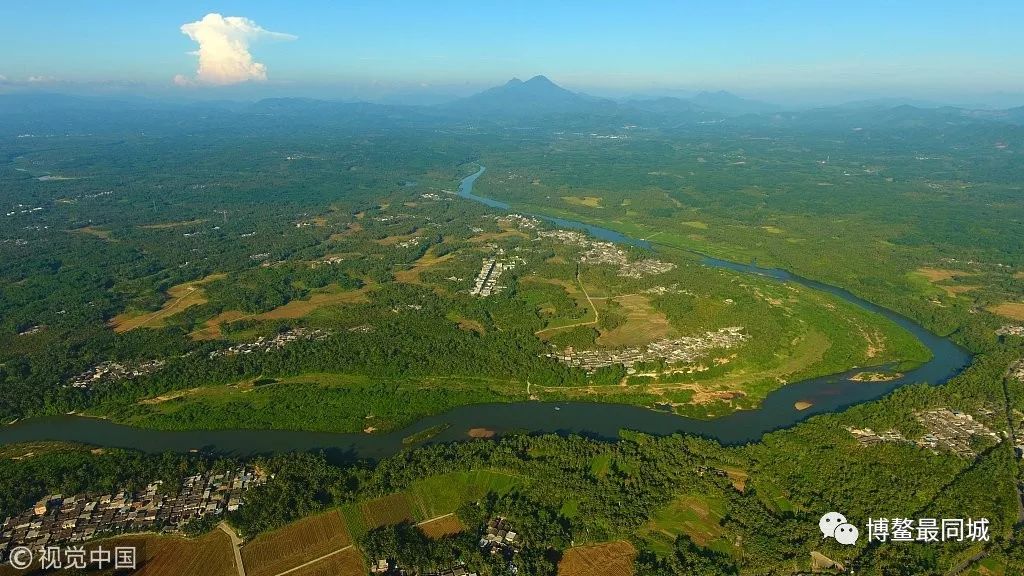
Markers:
<point>332,295</point>
<point>179,297</point>
<point>438,495</point>
<point>695,515</point>
<point>608,559</point>
<point>1011,310</point>
<point>587,201</point>
<point>295,544</point>
<point>643,323</point>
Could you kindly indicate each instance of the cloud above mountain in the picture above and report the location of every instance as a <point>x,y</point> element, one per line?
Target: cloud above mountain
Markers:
<point>224,56</point>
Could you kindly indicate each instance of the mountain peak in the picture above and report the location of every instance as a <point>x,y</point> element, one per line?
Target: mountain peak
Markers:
<point>540,79</point>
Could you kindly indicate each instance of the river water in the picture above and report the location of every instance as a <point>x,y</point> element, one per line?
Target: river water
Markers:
<point>604,421</point>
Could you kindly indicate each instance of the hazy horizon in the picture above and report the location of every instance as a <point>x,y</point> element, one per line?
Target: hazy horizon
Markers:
<point>790,53</point>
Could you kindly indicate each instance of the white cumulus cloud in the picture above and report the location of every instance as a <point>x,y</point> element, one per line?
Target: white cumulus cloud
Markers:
<point>223,52</point>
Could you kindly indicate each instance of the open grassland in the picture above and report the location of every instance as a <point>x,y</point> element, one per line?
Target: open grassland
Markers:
<point>608,559</point>
<point>438,495</point>
<point>642,323</point>
<point>423,263</point>
<point>443,526</point>
<point>348,562</point>
<point>179,297</point>
<point>332,295</point>
<point>169,225</point>
<point>559,312</point>
<point>95,232</point>
<point>696,515</point>
<point>1011,310</point>
<point>295,544</point>
<point>587,201</point>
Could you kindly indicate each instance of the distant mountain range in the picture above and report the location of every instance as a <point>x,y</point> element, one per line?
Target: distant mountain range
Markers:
<point>516,101</point>
<point>536,96</point>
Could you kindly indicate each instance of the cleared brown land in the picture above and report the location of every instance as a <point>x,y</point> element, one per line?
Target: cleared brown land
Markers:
<point>588,201</point>
<point>97,232</point>
<point>329,296</point>
<point>1012,310</point>
<point>166,225</point>
<point>609,559</point>
<point>467,325</point>
<point>1019,275</point>
<point>295,544</point>
<point>347,563</point>
<point>954,290</point>
<point>940,274</point>
<point>429,259</point>
<point>387,510</point>
<point>442,527</point>
<point>643,324</point>
<point>737,476</point>
<point>180,297</point>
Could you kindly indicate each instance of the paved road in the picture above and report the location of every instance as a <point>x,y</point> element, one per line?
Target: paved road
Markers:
<point>236,544</point>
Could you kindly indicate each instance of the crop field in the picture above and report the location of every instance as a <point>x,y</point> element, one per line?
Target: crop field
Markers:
<point>295,544</point>
<point>608,559</point>
<point>171,556</point>
<point>697,516</point>
<point>386,510</point>
<point>439,495</point>
<point>347,563</point>
<point>442,527</point>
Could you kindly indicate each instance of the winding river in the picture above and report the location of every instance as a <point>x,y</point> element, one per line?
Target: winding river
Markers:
<point>604,421</point>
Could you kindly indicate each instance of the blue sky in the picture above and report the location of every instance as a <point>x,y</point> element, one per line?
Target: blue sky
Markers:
<point>946,49</point>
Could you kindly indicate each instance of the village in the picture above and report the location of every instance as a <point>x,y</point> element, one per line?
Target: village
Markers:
<point>486,282</point>
<point>597,252</point>
<point>276,342</point>
<point>671,350</point>
<point>948,430</point>
<point>111,371</point>
<point>62,519</point>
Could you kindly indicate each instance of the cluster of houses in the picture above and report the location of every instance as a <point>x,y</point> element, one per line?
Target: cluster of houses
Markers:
<point>58,519</point>
<point>1010,330</point>
<point>111,371</point>
<point>597,252</point>
<point>498,536</point>
<point>276,342</point>
<point>527,222</point>
<point>671,350</point>
<point>950,430</point>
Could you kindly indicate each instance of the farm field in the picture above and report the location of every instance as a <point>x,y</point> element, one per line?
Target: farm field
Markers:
<point>443,526</point>
<point>295,544</point>
<point>697,516</point>
<point>346,563</point>
<point>608,559</point>
<point>438,495</point>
